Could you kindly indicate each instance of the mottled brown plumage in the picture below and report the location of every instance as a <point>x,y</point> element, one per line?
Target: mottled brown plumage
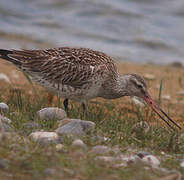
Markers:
<point>80,74</point>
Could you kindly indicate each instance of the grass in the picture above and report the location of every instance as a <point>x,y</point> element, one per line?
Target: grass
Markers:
<point>26,159</point>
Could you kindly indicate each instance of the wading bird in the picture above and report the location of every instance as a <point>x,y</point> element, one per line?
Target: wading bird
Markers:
<point>81,74</point>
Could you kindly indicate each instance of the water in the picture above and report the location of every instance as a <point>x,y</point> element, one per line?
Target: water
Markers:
<point>130,30</point>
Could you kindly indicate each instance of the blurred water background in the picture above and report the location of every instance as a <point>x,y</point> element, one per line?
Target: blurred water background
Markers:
<point>150,31</point>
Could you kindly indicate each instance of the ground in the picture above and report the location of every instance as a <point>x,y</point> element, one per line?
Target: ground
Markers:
<point>114,119</point>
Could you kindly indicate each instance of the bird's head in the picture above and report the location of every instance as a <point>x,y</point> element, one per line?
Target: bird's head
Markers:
<point>136,86</point>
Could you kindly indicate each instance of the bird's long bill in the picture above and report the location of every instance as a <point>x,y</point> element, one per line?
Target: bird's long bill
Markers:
<point>147,98</point>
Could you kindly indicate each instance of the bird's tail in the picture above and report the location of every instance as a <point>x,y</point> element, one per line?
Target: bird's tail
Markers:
<point>6,55</point>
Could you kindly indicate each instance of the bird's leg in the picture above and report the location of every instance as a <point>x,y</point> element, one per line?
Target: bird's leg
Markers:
<point>84,106</point>
<point>65,103</point>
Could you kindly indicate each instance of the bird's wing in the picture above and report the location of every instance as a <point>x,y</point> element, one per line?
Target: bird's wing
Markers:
<point>70,66</point>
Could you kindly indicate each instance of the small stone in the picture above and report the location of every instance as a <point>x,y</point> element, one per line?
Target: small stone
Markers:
<point>31,125</point>
<point>141,126</point>
<point>4,107</point>
<point>49,171</point>
<point>101,149</point>
<point>76,127</point>
<point>180,93</point>
<point>59,147</point>
<point>108,159</point>
<point>137,101</point>
<point>78,143</point>
<point>4,78</point>
<point>151,160</point>
<point>44,136</point>
<point>149,76</point>
<point>182,164</point>
<point>166,97</point>
<point>51,113</point>
<point>142,154</point>
<point>5,119</point>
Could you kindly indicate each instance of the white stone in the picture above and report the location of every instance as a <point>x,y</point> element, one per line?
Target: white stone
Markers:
<point>51,113</point>
<point>4,107</point>
<point>151,160</point>
<point>182,164</point>
<point>5,78</point>
<point>149,76</point>
<point>78,143</point>
<point>137,101</point>
<point>166,97</point>
<point>48,135</point>
<point>59,147</point>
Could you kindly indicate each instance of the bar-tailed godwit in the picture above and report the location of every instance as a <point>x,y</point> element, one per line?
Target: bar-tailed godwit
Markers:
<point>81,74</point>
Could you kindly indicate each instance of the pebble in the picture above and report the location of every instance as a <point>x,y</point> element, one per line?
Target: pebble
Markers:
<point>182,164</point>
<point>141,126</point>
<point>137,101</point>
<point>151,160</point>
<point>59,147</point>
<point>100,139</point>
<point>5,78</point>
<point>166,97</point>
<point>78,143</point>
<point>101,149</point>
<point>180,93</point>
<point>149,76</point>
<point>4,107</point>
<point>5,119</point>
<point>31,125</point>
<point>108,159</point>
<point>133,159</point>
<point>76,127</point>
<point>44,137</point>
<point>51,113</point>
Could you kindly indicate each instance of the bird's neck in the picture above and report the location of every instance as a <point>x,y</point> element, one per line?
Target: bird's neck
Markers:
<point>116,88</point>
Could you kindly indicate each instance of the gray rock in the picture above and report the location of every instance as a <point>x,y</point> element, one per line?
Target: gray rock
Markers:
<point>51,113</point>
<point>78,143</point>
<point>31,125</point>
<point>106,159</point>
<point>101,149</point>
<point>76,127</point>
<point>45,137</point>
<point>132,159</point>
<point>4,107</point>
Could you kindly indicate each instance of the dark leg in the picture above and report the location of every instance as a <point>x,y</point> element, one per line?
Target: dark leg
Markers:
<point>65,103</point>
<point>84,106</point>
